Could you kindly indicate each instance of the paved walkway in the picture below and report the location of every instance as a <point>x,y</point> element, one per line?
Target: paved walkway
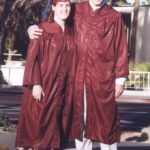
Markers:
<point>8,140</point>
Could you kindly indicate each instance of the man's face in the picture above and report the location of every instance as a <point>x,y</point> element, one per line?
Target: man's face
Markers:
<point>97,2</point>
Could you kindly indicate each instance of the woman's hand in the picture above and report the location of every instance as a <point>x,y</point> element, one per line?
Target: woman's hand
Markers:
<point>34,32</point>
<point>37,92</point>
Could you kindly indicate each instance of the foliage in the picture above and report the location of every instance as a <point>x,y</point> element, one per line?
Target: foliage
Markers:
<point>141,67</point>
<point>145,2</point>
<point>148,1</point>
<point>15,17</point>
<point>119,3</point>
<point>139,80</point>
<point>6,124</point>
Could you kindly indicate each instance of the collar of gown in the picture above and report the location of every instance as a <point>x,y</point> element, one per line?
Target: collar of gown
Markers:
<point>52,28</point>
<point>90,8</point>
<point>95,8</point>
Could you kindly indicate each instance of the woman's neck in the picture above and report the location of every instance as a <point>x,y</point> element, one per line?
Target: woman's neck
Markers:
<point>60,22</point>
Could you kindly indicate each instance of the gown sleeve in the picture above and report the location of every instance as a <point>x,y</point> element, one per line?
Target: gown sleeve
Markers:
<point>121,50</point>
<point>32,75</point>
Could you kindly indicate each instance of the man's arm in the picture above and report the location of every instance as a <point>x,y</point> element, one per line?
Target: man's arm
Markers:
<point>34,32</point>
<point>121,57</point>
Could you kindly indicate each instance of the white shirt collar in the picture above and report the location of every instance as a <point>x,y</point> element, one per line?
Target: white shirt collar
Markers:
<point>96,7</point>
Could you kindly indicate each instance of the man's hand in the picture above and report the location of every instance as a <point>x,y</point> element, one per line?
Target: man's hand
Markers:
<point>34,32</point>
<point>37,92</point>
<point>118,90</point>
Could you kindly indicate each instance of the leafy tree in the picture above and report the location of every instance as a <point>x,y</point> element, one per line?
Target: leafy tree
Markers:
<point>15,17</point>
<point>118,2</point>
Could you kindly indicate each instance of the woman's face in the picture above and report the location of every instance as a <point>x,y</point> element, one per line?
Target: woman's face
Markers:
<point>62,10</point>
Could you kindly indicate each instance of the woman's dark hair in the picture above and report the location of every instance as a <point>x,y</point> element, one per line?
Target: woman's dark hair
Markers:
<point>70,19</point>
<point>50,17</point>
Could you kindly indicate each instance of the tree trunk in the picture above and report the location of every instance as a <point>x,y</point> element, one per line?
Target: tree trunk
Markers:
<point>132,48</point>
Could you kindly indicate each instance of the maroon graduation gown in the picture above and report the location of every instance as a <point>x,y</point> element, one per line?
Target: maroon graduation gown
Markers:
<point>51,64</point>
<point>103,57</point>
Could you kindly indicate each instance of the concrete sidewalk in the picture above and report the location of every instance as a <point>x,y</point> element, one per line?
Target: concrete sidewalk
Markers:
<point>8,139</point>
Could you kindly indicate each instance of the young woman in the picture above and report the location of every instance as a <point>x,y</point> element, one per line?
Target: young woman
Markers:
<point>49,81</point>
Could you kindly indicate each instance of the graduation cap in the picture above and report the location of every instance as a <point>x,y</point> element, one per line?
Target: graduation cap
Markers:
<point>55,1</point>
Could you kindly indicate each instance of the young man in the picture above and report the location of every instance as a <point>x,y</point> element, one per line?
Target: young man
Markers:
<point>100,75</point>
